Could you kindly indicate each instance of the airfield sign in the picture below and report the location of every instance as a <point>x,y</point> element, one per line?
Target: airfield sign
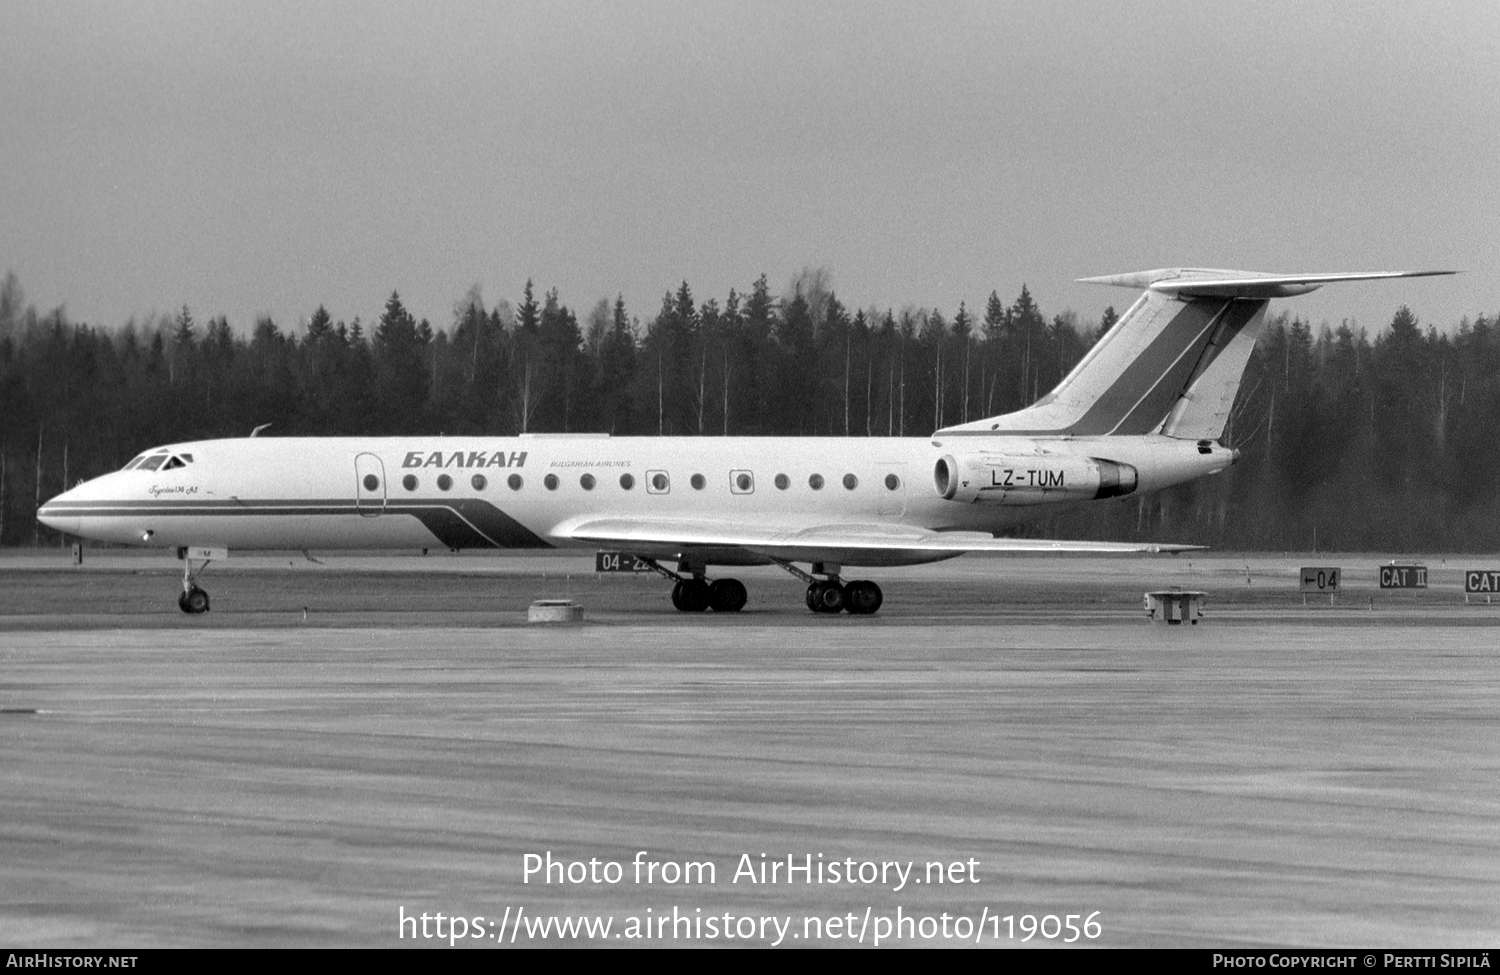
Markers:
<point>619,562</point>
<point>1486,581</point>
<point>1320,578</point>
<point>1407,576</point>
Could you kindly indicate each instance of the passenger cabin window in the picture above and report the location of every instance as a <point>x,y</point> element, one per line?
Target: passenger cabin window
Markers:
<point>657,482</point>
<point>783,482</point>
<point>697,482</point>
<point>444,482</point>
<point>815,482</point>
<point>627,481</point>
<point>851,482</point>
<point>514,481</point>
<point>479,482</point>
<point>587,481</point>
<point>550,482</point>
<point>741,482</point>
<point>892,481</point>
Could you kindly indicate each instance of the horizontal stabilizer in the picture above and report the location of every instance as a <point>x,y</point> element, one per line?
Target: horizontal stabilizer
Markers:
<point>1193,282</point>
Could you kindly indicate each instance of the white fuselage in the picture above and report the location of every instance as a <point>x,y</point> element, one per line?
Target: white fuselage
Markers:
<point>529,491</point>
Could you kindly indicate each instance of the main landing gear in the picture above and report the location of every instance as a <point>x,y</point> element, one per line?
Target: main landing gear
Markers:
<point>193,600</point>
<point>697,594</point>
<point>829,595</point>
<point>693,593</point>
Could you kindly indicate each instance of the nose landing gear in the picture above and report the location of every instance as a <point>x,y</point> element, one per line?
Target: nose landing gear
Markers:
<point>194,600</point>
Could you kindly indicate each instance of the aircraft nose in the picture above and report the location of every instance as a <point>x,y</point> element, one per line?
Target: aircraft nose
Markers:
<point>55,514</point>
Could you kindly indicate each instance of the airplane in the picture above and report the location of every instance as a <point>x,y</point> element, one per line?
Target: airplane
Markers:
<point>1143,410</point>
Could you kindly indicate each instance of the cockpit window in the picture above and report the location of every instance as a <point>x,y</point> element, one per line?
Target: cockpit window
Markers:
<point>172,463</point>
<point>133,462</point>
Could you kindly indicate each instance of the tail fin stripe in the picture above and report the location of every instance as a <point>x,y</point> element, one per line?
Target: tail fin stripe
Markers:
<point>1188,330</point>
<point>1148,414</point>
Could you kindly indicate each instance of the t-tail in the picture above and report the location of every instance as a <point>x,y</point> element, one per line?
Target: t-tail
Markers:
<point>1173,364</point>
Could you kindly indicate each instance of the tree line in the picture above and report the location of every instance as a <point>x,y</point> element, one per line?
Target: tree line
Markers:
<point>1350,442</point>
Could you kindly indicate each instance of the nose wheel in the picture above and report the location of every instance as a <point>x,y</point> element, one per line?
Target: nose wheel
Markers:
<point>193,601</point>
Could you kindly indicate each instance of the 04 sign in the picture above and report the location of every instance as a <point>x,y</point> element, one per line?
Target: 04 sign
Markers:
<point>1320,578</point>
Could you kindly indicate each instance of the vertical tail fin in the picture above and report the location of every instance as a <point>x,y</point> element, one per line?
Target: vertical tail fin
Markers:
<point>1172,364</point>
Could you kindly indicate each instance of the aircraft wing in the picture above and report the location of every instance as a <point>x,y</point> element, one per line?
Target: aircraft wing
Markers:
<point>854,543</point>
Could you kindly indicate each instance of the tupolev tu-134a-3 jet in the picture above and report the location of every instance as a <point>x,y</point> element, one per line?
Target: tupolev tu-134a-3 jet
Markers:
<point>1145,409</point>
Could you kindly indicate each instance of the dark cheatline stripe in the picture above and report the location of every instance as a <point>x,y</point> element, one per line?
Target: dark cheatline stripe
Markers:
<point>200,505</point>
<point>455,522</point>
<point>1150,412</point>
<point>96,509</point>
<point>1190,326</point>
<point>470,523</point>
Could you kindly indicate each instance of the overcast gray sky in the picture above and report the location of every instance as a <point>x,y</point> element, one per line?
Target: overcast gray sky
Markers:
<point>265,158</point>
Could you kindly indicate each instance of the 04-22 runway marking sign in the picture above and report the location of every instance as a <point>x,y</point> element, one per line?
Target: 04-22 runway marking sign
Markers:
<point>619,562</point>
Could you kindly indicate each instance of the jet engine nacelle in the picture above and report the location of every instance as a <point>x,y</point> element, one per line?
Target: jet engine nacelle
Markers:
<point>1039,479</point>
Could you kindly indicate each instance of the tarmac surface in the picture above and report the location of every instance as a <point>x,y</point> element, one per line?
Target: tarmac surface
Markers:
<point>343,743</point>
